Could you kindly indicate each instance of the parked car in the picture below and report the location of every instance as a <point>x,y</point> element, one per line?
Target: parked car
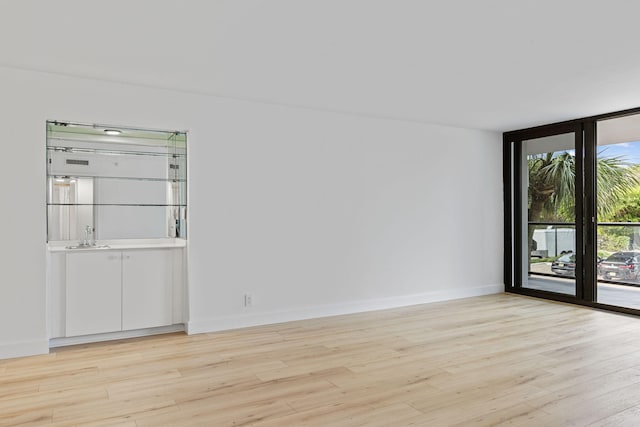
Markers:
<point>624,265</point>
<point>565,265</point>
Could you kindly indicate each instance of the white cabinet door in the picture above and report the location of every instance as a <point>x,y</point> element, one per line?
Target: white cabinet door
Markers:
<point>179,266</point>
<point>147,288</point>
<point>94,292</point>
<point>56,291</point>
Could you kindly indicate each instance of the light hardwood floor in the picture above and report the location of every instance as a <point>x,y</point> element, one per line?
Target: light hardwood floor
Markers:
<point>493,360</point>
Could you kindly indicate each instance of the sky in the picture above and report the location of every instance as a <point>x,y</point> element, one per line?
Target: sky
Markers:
<point>629,150</point>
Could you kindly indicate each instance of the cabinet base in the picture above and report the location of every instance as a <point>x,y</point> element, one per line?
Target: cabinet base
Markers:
<point>112,336</point>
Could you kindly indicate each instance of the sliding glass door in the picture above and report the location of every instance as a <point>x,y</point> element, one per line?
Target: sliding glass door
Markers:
<point>548,234</point>
<point>572,211</point>
<point>618,211</point>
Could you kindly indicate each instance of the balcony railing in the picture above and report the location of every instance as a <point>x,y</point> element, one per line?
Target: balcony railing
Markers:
<point>552,240</point>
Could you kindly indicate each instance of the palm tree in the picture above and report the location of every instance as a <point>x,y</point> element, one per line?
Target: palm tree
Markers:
<point>552,186</point>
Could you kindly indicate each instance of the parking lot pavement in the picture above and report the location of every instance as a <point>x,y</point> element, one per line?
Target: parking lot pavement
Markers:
<point>612,293</point>
<point>619,295</point>
<point>545,268</point>
<point>541,267</point>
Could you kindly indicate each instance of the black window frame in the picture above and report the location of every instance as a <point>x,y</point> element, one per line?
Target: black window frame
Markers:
<point>586,275</point>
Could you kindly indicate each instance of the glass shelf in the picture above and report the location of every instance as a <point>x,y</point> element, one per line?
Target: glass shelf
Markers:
<point>113,222</point>
<point>133,178</point>
<point>68,190</point>
<point>78,133</point>
<point>129,185</point>
<point>113,204</point>
<point>110,151</point>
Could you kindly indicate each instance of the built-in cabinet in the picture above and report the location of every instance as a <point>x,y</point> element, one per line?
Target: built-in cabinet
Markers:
<point>116,230</point>
<point>93,293</point>
<point>106,290</point>
<point>109,291</point>
<point>146,289</point>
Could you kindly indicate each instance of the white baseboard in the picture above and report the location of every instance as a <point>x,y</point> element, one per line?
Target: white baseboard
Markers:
<point>24,348</point>
<point>243,320</point>
<point>111,336</point>
<point>221,323</point>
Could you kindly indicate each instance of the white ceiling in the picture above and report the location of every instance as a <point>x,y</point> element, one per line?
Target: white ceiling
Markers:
<point>491,64</point>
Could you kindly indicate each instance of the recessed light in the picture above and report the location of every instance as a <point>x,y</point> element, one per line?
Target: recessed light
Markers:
<point>112,131</point>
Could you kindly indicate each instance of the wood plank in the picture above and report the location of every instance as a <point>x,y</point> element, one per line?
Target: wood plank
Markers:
<point>492,360</point>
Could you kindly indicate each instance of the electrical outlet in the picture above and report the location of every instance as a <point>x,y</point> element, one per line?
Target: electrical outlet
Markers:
<point>248,300</point>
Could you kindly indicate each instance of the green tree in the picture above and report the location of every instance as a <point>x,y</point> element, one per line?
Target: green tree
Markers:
<point>618,186</point>
<point>625,208</point>
<point>552,186</point>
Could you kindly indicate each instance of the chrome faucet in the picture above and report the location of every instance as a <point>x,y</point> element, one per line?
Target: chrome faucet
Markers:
<point>89,241</point>
<point>89,236</point>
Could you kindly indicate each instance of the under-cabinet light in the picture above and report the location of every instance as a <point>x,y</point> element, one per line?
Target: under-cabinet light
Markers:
<point>112,131</point>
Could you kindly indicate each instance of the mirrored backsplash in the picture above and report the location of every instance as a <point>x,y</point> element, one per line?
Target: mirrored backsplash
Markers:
<point>120,182</point>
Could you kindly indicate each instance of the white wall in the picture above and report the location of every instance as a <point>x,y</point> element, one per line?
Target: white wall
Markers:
<point>312,212</point>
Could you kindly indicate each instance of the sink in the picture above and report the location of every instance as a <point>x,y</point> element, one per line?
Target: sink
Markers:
<point>88,247</point>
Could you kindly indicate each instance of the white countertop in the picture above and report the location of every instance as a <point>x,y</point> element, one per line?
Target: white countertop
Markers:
<point>119,245</point>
